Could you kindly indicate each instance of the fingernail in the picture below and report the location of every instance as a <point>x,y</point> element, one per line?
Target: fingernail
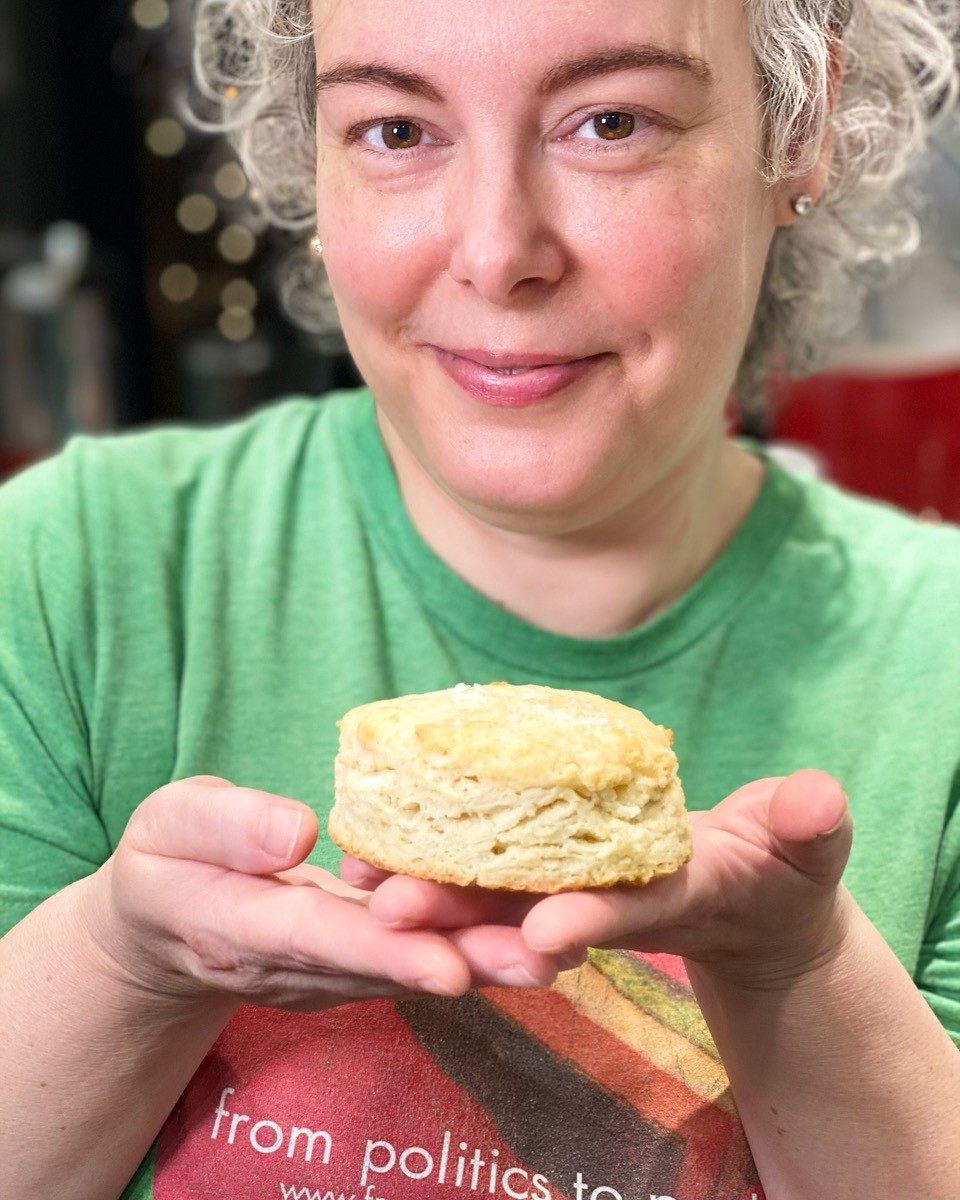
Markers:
<point>437,987</point>
<point>547,946</point>
<point>574,959</point>
<point>517,976</point>
<point>279,830</point>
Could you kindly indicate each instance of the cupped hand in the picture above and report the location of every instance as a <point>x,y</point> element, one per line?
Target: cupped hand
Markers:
<point>760,903</point>
<point>207,896</point>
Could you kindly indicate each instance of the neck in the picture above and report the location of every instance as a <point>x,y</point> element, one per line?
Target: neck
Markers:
<point>608,577</point>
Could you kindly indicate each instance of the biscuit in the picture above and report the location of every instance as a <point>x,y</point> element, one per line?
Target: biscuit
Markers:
<point>524,788</point>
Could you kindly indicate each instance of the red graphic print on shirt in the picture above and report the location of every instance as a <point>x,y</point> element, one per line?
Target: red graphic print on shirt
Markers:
<point>606,1086</point>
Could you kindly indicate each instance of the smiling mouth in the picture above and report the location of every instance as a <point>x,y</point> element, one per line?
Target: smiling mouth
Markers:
<point>507,380</point>
<point>506,363</point>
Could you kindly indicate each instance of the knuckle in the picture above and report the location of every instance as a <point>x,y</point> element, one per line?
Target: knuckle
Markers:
<point>222,965</point>
<point>146,825</point>
<point>126,874</point>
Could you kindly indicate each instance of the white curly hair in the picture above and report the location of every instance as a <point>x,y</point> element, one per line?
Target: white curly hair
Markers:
<point>254,80</point>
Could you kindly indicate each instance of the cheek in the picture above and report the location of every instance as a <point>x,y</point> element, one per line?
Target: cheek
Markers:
<point>688,261</point>
<point>378,249</point>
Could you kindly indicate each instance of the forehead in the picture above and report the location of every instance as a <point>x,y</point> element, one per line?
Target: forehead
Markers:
<point>519,38</point>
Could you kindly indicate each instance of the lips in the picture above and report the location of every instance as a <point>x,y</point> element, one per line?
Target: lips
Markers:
<point>513,380</point>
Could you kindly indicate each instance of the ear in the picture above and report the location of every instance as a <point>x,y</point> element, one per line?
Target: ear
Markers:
<point>813,183</point>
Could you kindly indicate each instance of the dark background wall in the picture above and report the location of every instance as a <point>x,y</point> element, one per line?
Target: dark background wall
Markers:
<point>86,120</point>
<point>68,136</point>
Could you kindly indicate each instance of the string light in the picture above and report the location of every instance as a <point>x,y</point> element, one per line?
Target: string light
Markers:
<point>196,213</point>
<point>230,181</point>
<point>236,324</point>
<point>179,283</point>
<point>236,244</point>
<point>150,14</point>
<point>240,293</point>
<point>165,137</point>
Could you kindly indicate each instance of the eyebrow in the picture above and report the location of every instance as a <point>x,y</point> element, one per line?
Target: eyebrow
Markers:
<point>380,75</point>
<point>623,58</point>
<point>563,75</point>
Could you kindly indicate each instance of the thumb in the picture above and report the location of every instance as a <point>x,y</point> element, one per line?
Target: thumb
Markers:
<point>810,823</point>
<point>208,820</point>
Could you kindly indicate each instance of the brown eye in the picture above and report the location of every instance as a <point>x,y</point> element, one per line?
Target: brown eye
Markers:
<point>614,125</point>
<point>400,135</point>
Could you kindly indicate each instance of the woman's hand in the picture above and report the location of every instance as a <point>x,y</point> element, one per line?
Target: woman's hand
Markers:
<point>759,904</point>
<point>204,898</point>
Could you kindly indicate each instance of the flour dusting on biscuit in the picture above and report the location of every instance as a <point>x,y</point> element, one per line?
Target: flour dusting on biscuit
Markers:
<point>525,788</point>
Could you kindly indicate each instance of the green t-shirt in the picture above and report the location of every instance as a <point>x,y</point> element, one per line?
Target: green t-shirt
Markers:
<point>185,601</point>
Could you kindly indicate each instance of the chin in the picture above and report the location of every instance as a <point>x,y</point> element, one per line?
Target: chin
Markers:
<point>520,491</point>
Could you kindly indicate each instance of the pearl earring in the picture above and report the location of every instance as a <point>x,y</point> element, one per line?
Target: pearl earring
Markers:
<point>316,247</point>
<point>802,204</point>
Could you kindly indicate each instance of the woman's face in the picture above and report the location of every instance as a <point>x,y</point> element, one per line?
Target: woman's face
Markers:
<point>546,228</point>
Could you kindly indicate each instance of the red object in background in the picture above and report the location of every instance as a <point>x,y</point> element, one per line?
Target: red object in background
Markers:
<point>893,437</point>
<point>11,462</point>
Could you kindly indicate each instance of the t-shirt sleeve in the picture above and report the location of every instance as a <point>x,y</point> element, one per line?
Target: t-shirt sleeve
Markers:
<point>938,971</point>
<point>50,831</point>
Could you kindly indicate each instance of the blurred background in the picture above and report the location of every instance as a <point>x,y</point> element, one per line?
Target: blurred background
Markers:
<point>137,282</point>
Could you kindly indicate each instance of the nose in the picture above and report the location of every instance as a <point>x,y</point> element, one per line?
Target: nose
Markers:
<point>505,243</point>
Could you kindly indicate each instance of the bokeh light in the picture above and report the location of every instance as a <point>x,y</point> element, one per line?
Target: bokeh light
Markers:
<point>150,14</point>
<point>237,244</point>
<point>179,283</point>
<point>165,137</point>
<point>230,181</point>
<point>196,213</point>
<point>236,324</point>
<point>240,293</point>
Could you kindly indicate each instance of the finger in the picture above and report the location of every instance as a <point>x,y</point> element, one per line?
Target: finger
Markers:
<point>323,937</point>
<point>809,820</point>
<point>404,903</point>
<point>209,820</point>
<point>565,924</point>
<point>499,957</point>
<point>360,874</point>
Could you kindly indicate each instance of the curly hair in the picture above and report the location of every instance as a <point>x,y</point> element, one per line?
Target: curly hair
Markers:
<point>254,68</point>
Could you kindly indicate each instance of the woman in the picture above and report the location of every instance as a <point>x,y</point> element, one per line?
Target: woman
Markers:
<point>557,234</point>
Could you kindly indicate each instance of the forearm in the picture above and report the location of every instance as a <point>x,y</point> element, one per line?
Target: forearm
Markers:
<point>84,1052</point>
<point>846,1083</point>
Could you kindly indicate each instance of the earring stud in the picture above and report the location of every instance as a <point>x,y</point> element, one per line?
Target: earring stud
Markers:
<point>802,204</point>
<point>316,247</point>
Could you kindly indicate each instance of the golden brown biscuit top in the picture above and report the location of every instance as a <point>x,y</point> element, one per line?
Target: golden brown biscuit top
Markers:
<point>526,735</point>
